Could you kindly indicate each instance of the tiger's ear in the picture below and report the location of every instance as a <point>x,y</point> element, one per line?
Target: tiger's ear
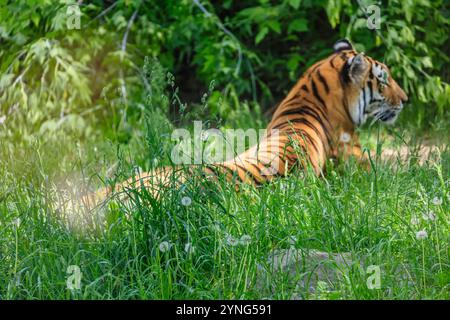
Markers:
<point>357,68</point>
<point>342,44</point>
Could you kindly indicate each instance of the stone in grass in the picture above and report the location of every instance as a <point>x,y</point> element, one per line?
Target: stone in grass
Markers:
<point>302,271</point>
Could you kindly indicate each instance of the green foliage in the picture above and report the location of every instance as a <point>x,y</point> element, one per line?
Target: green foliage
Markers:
<point>98,102</point>
<point>53,77</point>
<point>366,214</point>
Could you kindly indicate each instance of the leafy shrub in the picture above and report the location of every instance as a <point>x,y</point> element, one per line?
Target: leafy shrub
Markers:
<point>53,78</point>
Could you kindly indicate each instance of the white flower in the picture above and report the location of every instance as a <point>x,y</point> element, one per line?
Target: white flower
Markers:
<point>345,137</point>
<point>189,248</point>
<point>415,221</point>
<point>245,240</point>
<point>2,119</point>
<point>421,235</point>
<point>164,246</point>
<point>186,201</point>
<point>437,201</point>
<point>429,216</point>
<point>17,222</point>
<point>231,241</point>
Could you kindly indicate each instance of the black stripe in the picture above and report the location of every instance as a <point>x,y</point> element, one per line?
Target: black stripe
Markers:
<point>306,123</point>
<point>345,74</point>
<point>229,170</point>
<point>359,113</point>
<point>213,169</point>
<point>332,62</point>
<point>306,135</point>
<point>304,88</point>
<point>249,174</point>
<point>369,83</point>
<point>207,167</point>
<point>365,101</point>
<point>364,98</point>
<point>258,169</point>
<point>344,102</point>
<point>321,116</point>
<point>323,81</point>
<point>305,110</point>
<point>314,69</point>
<point>313,114</point>
<point>287,102</point>
<point>313,105</point>
<point>316,94</point>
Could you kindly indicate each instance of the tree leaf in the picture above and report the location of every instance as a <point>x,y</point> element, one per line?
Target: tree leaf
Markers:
<point>274,25</point>
<point>298,25</point>
<point>261,34</point>
<point>295,3</point>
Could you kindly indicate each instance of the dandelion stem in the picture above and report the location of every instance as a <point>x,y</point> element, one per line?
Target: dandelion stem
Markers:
<point>423,266</point>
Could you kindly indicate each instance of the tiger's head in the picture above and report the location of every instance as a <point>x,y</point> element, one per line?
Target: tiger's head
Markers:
<point>369,88</point>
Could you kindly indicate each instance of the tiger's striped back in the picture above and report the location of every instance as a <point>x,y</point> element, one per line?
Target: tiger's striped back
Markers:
<point>316,121</point>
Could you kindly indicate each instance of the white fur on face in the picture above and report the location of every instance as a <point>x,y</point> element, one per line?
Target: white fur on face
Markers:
<point>378,72</point>
<point>375,105</point>
<point>369,106</point>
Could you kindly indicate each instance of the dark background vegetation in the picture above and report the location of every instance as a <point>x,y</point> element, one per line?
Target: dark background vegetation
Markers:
<point>227,61</point>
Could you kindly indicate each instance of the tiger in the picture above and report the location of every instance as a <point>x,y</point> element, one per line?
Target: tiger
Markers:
<point>315,122</point>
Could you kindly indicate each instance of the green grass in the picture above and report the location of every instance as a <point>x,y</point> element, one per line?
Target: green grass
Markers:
<point>350,210</point>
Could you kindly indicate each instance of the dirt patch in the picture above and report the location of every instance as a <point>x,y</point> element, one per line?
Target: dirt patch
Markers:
<point>303,271</point>
<point>422,154</point>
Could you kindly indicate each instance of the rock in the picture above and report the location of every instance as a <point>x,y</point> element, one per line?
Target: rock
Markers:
<point>302,271</point>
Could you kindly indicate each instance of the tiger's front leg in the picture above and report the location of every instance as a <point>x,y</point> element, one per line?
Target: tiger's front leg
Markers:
<point>349,147</point>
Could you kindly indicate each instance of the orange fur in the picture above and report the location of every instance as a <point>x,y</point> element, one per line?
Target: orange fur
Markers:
<point>314,117</point>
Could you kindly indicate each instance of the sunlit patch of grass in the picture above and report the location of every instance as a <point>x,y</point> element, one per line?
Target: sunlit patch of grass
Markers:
<point>141,253</point>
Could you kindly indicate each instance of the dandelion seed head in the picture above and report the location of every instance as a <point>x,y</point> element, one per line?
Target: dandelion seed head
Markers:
<point>17,222</point>
<point>345,137</point>
<point>437,201</point>
<point>415,221</point>
<point>245,240</point>
<point>231,241</point>
<point>164,246</point>
<point>189,248</point>
<point>186,201</point>
<point>429,216</point>
<point>421,235</point>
